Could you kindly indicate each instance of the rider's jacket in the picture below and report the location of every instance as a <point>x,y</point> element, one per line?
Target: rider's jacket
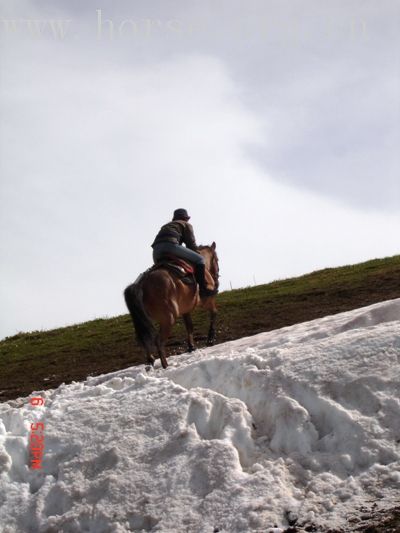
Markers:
<point>177,232</point>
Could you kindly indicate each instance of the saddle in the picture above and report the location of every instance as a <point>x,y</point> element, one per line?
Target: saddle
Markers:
<point>179,267</point>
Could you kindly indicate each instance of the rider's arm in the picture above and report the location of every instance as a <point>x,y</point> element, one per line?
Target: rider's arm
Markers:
<point>189,238</point>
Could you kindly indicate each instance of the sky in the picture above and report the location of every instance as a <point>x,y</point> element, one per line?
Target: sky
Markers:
<point>275,124</point>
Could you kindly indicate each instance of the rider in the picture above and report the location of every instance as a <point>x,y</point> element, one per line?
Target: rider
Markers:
<point>169,241</point>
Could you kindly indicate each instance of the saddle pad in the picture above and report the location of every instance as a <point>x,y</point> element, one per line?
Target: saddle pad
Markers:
<point>178,271</point>
<point>176,261</point>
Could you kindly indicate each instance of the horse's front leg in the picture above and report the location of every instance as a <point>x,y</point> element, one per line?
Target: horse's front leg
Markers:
<point>211,331</point>
<point>189,329</point>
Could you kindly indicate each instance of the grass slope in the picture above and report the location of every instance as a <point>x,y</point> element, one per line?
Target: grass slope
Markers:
<point>41,360</point>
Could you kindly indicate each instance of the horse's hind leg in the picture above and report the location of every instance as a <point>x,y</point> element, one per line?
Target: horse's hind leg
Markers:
<point>161,352</point>
<point>149,358</point>
<point>165,331</point>
<point>189,328</point>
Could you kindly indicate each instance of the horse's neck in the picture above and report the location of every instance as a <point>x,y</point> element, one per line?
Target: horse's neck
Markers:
<point>207,260</point>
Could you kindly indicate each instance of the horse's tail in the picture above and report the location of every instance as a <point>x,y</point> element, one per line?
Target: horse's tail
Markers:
<point>145,330</point>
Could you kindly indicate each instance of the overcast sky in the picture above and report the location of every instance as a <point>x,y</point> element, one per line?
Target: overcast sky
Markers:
<point>274,123</point>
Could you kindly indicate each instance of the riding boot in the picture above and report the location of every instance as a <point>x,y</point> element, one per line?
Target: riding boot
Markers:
<point>201,280</point>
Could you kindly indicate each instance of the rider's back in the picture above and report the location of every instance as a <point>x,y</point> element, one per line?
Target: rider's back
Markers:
<point>176,232</point>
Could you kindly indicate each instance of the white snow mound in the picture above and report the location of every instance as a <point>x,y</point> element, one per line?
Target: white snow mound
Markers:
<point>299,425</point>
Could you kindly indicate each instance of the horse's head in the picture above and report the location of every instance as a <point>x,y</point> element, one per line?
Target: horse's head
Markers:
<point>211,260</point>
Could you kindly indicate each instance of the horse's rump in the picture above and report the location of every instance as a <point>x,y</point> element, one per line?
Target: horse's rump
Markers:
<point>166,293</point>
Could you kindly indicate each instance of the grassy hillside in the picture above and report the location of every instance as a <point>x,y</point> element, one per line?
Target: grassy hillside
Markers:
<point>41,360</point>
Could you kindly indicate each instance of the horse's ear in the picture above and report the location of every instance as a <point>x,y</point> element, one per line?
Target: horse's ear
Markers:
<point>213,246</point>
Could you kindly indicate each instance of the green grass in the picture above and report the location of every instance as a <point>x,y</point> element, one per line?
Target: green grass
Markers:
<point>44,359</point>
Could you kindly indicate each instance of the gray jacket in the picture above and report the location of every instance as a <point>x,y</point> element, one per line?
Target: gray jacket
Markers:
<point>177,232</point>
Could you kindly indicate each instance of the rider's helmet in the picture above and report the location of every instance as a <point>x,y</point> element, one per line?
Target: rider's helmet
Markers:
<point>181,214</point>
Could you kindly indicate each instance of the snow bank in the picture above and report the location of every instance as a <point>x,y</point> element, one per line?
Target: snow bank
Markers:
<point>299,425</point>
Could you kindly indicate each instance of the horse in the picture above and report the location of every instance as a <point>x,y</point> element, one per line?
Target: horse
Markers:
<point>159,295</point>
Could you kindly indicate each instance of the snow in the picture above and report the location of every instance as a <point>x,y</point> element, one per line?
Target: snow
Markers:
<point>299,425</point>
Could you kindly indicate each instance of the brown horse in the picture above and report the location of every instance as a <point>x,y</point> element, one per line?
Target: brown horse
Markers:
<point>161,296</point>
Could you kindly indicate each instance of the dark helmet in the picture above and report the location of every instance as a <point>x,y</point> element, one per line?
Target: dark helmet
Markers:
<point>181,214</point>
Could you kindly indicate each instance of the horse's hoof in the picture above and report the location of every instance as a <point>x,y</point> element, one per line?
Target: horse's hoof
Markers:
<point>150,360</point>
<point>191,349</point>
<point>148,368</point>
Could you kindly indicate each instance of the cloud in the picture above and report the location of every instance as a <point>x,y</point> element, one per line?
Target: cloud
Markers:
<point>340,141</point>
